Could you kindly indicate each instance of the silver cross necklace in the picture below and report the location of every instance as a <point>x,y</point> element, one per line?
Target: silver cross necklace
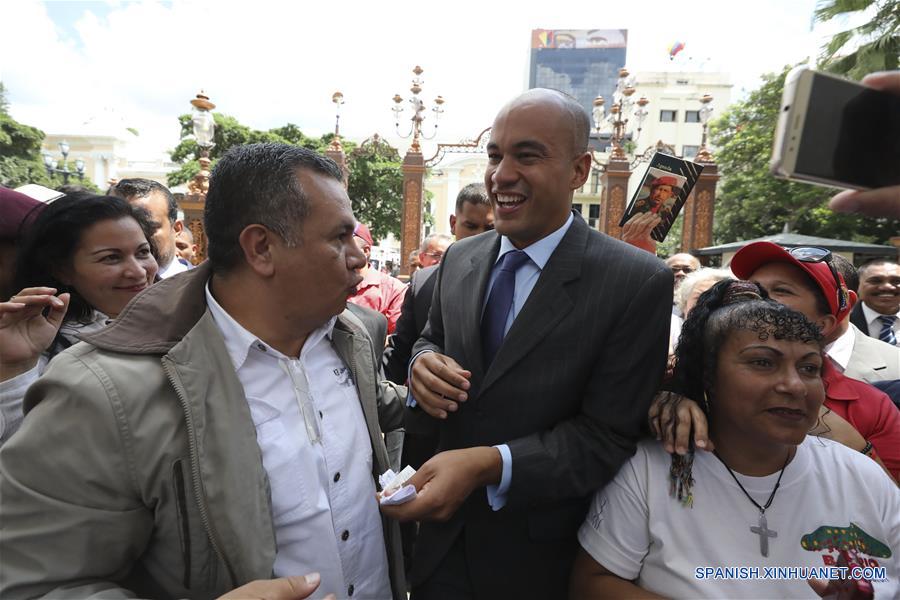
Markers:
<point>762,530</point>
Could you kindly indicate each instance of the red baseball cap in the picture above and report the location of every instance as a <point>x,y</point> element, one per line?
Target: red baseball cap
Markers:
<point>752,256</point>
<point>16,211</point>
<point>669,181</point>
<point>362,232</point>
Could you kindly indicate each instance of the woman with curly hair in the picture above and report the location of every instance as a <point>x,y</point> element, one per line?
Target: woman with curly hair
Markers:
<point>709,524</point>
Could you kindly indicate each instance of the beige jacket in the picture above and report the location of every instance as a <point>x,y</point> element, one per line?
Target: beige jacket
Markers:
<point>136,471</point>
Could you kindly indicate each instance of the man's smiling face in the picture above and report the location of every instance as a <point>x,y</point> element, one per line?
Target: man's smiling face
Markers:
<point>533,168</point>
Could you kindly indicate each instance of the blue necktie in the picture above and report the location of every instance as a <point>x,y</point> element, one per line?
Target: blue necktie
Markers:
<point>499,303</point>
<point>887,330</point>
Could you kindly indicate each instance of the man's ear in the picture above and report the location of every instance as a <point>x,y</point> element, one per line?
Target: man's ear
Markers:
<point>178,227</point>
<point>852,298</point>
<point>827,324</point>
<point>257,244</point>
<point>582,171</point>
<point>453,224</point>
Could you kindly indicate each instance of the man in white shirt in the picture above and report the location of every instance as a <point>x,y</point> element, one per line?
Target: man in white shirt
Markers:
<point>857,355</point>
<point>878,315</point>
<point>157,200</point>
<point>227,427</point>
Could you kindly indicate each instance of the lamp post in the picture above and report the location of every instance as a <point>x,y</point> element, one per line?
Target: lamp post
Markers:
<point>50,162</point>
<point>616,169</point>
<point>418,107</point>
<point>700,207</point>
<point>413,165</point>
<point>706,111</point>
<point>204,126</point>
<point>623,110</point>
<point>204,129</point>
<point>335,150</point>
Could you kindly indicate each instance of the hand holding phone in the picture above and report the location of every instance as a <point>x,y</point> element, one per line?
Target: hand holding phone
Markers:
<point>836,132</point>
<point>881,202</point>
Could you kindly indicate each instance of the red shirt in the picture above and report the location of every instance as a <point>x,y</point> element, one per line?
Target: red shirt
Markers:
<point>383,293</point>
<point>869,410</point>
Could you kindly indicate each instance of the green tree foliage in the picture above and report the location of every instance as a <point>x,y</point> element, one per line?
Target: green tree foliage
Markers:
<point>875,44</point>
<point>20,154</point>
<point>752,203</point>
<point>20,151</point>
<point>375,185</point>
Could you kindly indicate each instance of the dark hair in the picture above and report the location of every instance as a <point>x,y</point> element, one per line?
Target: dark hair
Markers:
<point>726,307</point>
<point>474,193</point>
<point>71,189</point>
<point>141,188</point>
<point>874,263</point>
<point>847,271</point>
<point>55,234</point>
<point>258,184</point>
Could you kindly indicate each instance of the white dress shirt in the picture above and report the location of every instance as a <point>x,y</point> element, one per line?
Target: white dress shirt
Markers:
<point>317,454</point>
<point>875,325</point>
<point>174,268</point>
<point>841,349</point>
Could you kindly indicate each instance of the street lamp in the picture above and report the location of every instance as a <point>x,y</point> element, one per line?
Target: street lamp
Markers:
<point>706,111</point>
<point>418,112</point>
<point>204,128</point>
<point>338,99</point>
<point>623,110</point>
<point>50,162</point>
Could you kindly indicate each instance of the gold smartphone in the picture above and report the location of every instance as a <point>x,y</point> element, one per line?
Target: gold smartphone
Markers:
<point>836,132</point>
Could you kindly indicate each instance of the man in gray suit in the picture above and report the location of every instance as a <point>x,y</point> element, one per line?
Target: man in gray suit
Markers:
<point>859,355</point>
<point>544,346</point>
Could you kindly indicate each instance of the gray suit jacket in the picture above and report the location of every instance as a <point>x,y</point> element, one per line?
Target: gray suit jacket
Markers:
<point>872,359</point>
<point>568,392</point>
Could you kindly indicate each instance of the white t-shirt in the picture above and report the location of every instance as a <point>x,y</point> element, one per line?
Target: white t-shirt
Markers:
<point>828,492</point>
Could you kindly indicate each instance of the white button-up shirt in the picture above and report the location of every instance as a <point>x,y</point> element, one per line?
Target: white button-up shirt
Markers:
<point>876,325</point>
<point>317,454</point>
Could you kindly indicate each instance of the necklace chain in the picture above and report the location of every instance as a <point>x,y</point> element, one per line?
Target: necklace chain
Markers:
<point>762,509</point>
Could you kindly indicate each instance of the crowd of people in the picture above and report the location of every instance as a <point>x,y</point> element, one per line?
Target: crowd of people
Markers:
<point>585,419</point>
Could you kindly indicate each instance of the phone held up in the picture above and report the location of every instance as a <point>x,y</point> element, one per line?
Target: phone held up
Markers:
<point>836,132</point>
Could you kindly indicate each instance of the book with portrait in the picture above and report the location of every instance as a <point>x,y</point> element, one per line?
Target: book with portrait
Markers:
<point>664,189</point>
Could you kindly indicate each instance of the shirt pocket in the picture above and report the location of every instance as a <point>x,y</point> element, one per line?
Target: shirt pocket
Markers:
<point>289,461</point>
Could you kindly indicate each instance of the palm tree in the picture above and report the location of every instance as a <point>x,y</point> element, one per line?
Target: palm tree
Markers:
<point>875,44</point>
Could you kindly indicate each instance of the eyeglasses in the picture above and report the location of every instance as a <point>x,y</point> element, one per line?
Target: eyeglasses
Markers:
<point>435,255</point>
<point>814,254</point>
<point>685,270</point>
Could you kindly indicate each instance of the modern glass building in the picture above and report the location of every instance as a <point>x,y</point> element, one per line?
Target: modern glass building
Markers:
<point>583,63</point>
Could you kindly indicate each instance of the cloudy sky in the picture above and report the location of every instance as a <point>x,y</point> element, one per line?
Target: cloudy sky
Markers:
<point>267,63</point>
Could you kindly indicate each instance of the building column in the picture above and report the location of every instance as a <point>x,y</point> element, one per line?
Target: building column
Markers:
<point>336,153</point>
<point>411,219</point>
<point>615,194</point>
<point>699,210</point>
<point>193,205</point>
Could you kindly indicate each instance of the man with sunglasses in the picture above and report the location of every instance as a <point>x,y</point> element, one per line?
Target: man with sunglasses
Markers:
<point>806,280</point>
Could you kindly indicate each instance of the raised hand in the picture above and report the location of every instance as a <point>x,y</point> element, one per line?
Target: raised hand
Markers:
<point>26,331</point>
<point>638,228</point>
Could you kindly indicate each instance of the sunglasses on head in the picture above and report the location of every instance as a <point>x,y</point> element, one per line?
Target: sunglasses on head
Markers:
<point>814,254</point>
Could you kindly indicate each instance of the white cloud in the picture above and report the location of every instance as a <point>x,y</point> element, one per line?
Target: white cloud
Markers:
<point>268,63</point>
